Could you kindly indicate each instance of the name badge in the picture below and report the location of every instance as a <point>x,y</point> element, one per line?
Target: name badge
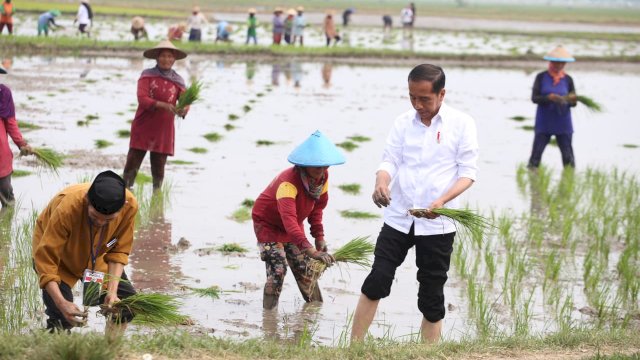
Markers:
<point>93,276</point>
<point>112,242</point>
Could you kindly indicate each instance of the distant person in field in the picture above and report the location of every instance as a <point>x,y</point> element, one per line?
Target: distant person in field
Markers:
<point>153,127</point>
<point>329,27</point>
<point>346,16</point>
<point>223,31</point>
<point>288,26</point>
<point>252,27</point>
<point>387,23</point>
<point>297,194</point>
<point>8,129</point>
<point>555,95</point>
<point>430,158</point>
<point>6,16</point>
<point>137,28</point>
<point>46,20</point>
<point>195,23</point>
<point>412,6</point>
<point>278,26</point>
<point>406,17</point>
<point>84,17</point>
<point>176,31</point>
<point>299,23</point>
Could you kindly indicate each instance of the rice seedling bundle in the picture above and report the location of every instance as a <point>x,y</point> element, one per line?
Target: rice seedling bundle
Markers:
<point>589,103</point>
<point>357,252</point>
<point>212,292</point>
<point>47,158</point>
<point>151,309</point>
<point>471,222</point>
<point>189,96</point>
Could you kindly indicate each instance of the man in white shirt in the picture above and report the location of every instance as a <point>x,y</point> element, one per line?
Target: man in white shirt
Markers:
<point>406,16</point>
<point>429,160</point>
<point>84,18</point>
<point>195,23</point>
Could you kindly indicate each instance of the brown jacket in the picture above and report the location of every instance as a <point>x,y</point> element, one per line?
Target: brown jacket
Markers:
<point>61,240</point>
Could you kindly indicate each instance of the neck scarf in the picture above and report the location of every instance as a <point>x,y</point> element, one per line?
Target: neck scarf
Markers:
<point>7,108</point>
<point>169,75</point>
<point>313,187</point>
<point>555,75</point>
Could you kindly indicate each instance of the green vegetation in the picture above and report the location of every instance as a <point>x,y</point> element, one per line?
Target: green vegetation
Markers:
<point>229,127</point>
<point>476,225</point>
<point>264,142</point>
<point>359,138</point>
<point>248,203</point>
<point>232,248</point>
<point>48,159</point>
<point>142,178</point>
<point>241,215</point>
<point>150,309</point>
<point>20,173</point>
<point>25,126</point>
<point>233,117</point>
<point>246,108</point>
<point>631,146</point>
<point>213,137</point>
<point>212,292</point>
<point>181,162</point>
<point>123,133</point>
<point>352,214</point>
<point>518,118</point>
<point>348,145</point>
<point>91,117</point>
<point>589,103</point>
<point>528,127</point>
<point>353,189</point>
<point>198,150</point>
<point>101,144</point>
<point>189,96</point>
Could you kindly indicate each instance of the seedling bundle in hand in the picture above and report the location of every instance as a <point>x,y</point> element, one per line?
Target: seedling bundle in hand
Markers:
<point>189,96</point>
<point>589,103</point>
<point>47,159</point>
<point>476,225</point>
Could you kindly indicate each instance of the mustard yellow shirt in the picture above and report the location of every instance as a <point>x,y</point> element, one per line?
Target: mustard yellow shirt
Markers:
<point>61,238</point>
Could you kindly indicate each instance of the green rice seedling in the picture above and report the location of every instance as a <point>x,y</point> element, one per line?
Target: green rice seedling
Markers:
<point>20,173</point>
<point>248,203</point>
<point>630,146</point>
<point>48,159</point>
<point>142,178</point>
<point>232,267</point>
<point>124,133</point>
<point>213,137</point>
<point>190,96</point>
<point>353,189</point>
<point>246,108</point>
<point>150,309</point>
<point>82,123</point>
<point>101,144</point>
<point>518,118</point>
<point>264,142</point>
<point>181,162</point>
<point>260,94</point>
<point>91,117</point>
<point>241,215</point>
<point>359,138</point>
<point>527,127</point>
<point>212,292</point>
<point>232,248</point>
<point>589,103</point>
<point>353,214</point>
<point>472,223</point>
<point>229,127</point>
<point>348,145</point>
<point>490,263</point>
<point>120,113</point>
<point>233,117</point>
<point>198,150</point>
<point>25,126</point>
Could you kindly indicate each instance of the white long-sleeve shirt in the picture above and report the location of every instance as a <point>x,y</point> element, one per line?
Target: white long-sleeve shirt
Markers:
<point>424,162</point>
<point>196,21</point>
<point>83,15</point>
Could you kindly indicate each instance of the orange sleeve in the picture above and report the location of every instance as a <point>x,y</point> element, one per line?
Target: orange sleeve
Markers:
<point>48,252</point>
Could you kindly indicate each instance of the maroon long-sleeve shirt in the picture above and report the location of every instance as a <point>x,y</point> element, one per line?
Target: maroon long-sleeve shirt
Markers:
<point>279,212</point>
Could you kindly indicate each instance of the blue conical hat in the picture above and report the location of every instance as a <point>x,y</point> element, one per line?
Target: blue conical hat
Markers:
<point>559,54</point>
<point>317,150</point>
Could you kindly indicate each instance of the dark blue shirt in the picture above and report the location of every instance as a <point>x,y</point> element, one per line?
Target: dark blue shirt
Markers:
<point>551,117</point>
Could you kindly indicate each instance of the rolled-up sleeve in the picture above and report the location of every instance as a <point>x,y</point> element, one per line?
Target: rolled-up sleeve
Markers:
<point>468,150</point>
<point>392,154</point>
<point>48,252</point>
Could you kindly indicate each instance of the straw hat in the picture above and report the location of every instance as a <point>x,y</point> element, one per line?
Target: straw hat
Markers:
<point>317,150</point>
<point>330,12</point>
<point>137,22</point>
<point>291,12</point>
<point>300,8</point>
<point>154,52</point>
<point>251,10</point>
<point>559,54</point>
<point>196,9</point>
<point>278,10</point>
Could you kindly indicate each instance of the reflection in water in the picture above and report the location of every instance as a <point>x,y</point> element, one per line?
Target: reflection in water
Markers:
<point>275,74</point>
<point>136,63</point>
<point>87,68</point>
<point>287,72</point>
<point>297,74</point>
<point>294,326</point>
<point>407,41</point>
<point>326,74</point>
<point>150,256</point>
<point>193,69</point>
<point>250,71</point>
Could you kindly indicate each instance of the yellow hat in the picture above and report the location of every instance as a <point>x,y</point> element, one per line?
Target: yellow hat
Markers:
<point>196,9</point>
<point>559,54</point>
<point>154,52</point>
<point>277,10</point>
<point>291,12</point>
<point>251,10</point>
<point>300,8</point>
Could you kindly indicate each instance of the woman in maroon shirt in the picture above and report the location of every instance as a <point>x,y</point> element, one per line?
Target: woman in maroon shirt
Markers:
<point>296,194</point>
<point>153,128</point>
<point>8,127</point>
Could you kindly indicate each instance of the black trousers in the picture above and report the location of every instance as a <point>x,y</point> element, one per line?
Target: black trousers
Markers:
<point>57,321</point>
<point>540,142</point>
<point>433,255</point>
<point>6,191</point>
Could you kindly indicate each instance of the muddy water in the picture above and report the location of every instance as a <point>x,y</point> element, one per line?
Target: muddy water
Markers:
<point>288,101</point>
<point>444,40</point>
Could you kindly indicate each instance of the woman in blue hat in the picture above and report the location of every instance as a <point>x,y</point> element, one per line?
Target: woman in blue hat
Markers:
<point>555,94</point>
<point>296,194</point>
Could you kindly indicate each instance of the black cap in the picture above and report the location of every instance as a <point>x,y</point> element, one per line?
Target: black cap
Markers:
<point>107,193</point>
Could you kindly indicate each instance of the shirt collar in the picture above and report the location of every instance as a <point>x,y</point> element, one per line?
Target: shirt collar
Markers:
<point>441,115</point>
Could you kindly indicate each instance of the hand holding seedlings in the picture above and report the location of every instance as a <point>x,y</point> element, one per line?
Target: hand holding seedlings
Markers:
<point>326,258</point>
<point>72,313</point>
<point>26,150</point>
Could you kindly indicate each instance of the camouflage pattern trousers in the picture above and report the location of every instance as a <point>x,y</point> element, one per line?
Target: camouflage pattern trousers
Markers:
<point>276,255</point>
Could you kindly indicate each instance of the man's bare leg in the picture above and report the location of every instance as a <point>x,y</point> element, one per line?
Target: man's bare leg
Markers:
<point>431,331</point>
<point>365,311</point>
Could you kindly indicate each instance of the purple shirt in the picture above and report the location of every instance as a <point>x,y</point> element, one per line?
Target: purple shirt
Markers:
<point>552,118</point>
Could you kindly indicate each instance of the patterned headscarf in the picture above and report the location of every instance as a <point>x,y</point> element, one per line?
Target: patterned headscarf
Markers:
<point>555,75</point>
<point>314,188</point>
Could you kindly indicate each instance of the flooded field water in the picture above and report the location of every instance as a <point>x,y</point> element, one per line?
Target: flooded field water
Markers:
<point>284,102</point>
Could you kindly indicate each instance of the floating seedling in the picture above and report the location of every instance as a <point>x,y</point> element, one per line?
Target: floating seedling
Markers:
<point>630,146</point>
<point>353,214</point>
<point>120,113</point>
<point>101,144</point>
<point>123,133</point>
<point>212,292</point>
<point>181,162</point>
<point>20,173</point>
<point>28,126</point>
<point>518,118</point>
<point>359,138</point>
<point>91,117</point>
<point>198,150</point>
<point>353,189</point>
<point>260,94</point>
<point>246,108</point>
<point>348,145</point>
<point>264,142</point>
<point>213,137</point>
<point>232,248</point>
<point>229,127</point>
<point>248,203</point>
<point>527,127</point>
<point>241,215</point>
<point>233,117</point>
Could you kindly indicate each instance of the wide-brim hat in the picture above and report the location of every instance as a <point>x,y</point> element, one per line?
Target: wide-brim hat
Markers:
<point>278,10</point>
<point>316,151</point>
<point>559,54</point>
<point>55,12</point>
<point>330,12</point>
<point>107,193</point>
<point>153,53</point>
<point>251,10</point>
<point>291,12</point>
<point>300,8</point>
<point>196,9</point>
